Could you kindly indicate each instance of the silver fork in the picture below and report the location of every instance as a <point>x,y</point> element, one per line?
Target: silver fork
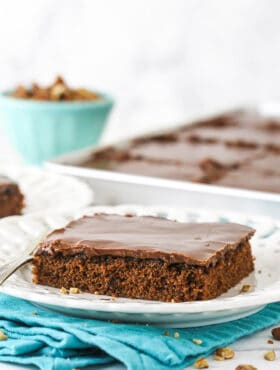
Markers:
<point>9,268</point>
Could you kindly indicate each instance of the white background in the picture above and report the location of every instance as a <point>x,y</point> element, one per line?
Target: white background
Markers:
<point>164,61</point>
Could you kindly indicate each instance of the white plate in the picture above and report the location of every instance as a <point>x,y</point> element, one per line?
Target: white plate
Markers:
<point>17,232</point>
<point>48,192</point>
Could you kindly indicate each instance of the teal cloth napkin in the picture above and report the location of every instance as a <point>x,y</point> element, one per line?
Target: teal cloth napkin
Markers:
<point>52,341</point>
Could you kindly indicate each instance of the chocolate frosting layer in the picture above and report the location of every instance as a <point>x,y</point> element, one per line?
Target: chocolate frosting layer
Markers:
<point>187,152</point>
<point>248,178</point>
<point>145,237</point>
<point>164,170</point>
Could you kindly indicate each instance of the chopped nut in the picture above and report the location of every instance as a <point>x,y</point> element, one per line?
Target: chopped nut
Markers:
<point>270,356</point>
<point>96,293</point>
<point>166,334</point>
<point>224,354</point>
<point>197,341</point>
<point>201,363</point>
<point>3,336</point>
<point>58,92</point>
<point>74,291</point>
<point>172,300</point>
<point>276,333</point>
<point>270,341</point>
<point>64,290</point>
<point>245,288</point>
<point>246,367</point>
<point>176,335</point>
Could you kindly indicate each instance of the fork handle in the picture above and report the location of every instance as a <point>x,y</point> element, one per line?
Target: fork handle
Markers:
<point>9,268</point>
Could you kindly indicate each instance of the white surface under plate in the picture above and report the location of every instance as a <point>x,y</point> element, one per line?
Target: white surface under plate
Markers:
<point>18,232</point>
<point>48,192</point>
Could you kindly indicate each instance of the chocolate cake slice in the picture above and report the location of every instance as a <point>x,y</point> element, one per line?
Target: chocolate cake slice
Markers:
<point>145,257</point>
<point>11,198</point>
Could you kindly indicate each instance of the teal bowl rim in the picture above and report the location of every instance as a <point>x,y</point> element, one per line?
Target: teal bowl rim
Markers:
<point>8,101</point>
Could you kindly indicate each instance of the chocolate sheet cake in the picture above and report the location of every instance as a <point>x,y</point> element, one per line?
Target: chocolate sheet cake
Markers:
<point>145,257</point>
<point>193,153</point>
<point>236,136</point>
<point>247,177</point>
<point>164,170</point>
<point>11,199</point>
<point>218,150</point>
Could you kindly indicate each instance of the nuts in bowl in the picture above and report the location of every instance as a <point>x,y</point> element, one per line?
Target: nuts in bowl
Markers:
<point>58,91</point>
<point>45,122</point>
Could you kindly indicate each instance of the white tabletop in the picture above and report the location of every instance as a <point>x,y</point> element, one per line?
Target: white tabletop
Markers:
<point>249,350</point>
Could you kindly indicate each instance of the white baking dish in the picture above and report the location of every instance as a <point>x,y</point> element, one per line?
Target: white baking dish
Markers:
<point>114,188</point>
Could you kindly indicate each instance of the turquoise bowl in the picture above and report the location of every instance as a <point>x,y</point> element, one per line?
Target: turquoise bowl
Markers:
<point>41,130</point>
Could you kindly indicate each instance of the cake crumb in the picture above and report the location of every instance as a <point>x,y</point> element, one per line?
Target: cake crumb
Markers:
<point>35,313</point>
<point>64,290</point>
<point>197,341</point>
<point>3,336</point>
<point>246,367</point>
<point>270,356</point>
<point>166,334</point>
<point>201,363</point>
<point>176,335</point>
<point>74,291</point>
<point>96,292</point>
<point>245,288</point>
<point>270,341</point>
